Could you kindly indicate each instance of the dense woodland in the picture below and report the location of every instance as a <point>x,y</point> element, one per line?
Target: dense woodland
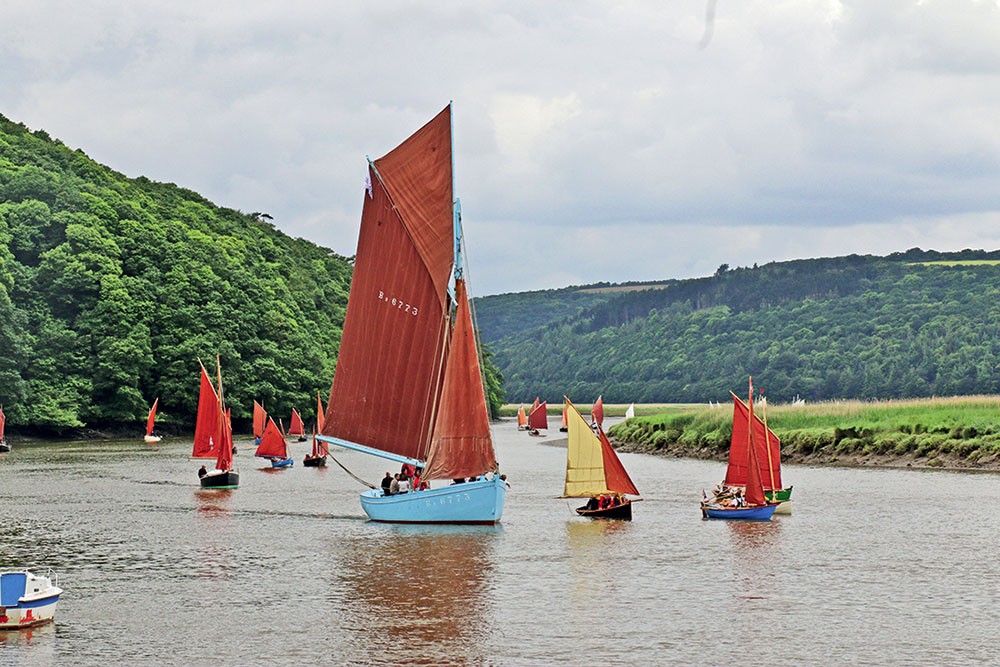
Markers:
<point>913,324</point>
<point>112,289</point>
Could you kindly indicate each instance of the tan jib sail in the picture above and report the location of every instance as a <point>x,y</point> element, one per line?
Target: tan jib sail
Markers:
<point>592,466</point>
<point>462,445</point>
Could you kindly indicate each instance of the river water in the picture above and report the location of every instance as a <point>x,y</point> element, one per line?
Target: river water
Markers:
<point>874,567</point>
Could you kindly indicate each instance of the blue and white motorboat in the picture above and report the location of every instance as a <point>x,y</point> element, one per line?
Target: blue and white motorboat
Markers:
<point>26,599</point>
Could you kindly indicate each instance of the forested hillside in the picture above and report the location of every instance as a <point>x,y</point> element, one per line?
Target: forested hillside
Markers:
<point>913,324</point>
<point>111,288</point>
<point>514,312</point>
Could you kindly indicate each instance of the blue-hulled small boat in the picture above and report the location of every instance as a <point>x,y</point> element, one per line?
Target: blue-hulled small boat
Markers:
<point>26,599</point>
<point>407,386</point>
<point>751,504</point>
<point>273,447</point>
<point>759,513</point>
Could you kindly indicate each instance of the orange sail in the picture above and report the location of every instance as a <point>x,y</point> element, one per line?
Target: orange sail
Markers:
<point>617,477</point>
<point>392,354</point>
<point>3,423</point>
<point>534,405</point>
<point>565,420</point>
<point>755,488</point>
<point>207,429</point>
<point>296,427</point>
<point>597,412</point>
<point>522,419</point>
<point>539,416</point>
<point>151,419</point>
<point>462,445</point>
<point>319,414</point>
<point>272,444</point>
<point>259,420</point>
<point>224,459</point>
<point>764,438</point>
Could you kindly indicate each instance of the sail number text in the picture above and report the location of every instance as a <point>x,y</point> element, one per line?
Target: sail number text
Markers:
<point>399,304</point>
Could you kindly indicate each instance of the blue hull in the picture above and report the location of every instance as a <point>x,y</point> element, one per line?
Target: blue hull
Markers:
<point>472,502</point>
<point>282,463</point>
<point>762,513</point>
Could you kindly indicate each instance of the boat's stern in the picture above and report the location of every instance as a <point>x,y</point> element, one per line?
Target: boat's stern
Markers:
<point>26,599</point>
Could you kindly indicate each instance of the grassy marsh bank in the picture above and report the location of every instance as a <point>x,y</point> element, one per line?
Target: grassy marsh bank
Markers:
<point>958,432</point>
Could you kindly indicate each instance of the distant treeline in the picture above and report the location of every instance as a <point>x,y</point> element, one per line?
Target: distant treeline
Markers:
<point>913,324</point>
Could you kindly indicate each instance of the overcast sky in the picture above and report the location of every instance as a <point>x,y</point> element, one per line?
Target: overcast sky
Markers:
<point>595,140</point>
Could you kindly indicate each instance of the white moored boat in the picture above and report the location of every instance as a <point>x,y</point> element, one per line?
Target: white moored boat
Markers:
<point>26,599</point>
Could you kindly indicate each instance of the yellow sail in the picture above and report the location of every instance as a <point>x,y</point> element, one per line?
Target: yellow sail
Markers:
<point>584,459</point>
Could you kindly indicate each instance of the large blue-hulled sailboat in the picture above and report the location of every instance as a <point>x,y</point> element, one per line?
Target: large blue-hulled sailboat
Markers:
<point>408,386</point>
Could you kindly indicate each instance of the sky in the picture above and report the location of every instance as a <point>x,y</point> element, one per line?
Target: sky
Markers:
<point>594,140</point>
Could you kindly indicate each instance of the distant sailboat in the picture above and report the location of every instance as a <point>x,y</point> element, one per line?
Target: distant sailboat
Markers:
<point>4,447</point>
<point>297,427</point>
<point>259,422</point>
<point>408,386</point>
<point>214,434</point>
<point>768,455</point>
<point>149,438</point>
<point>597,412</point>
<point>317,457</point>
<point>565,423</point>
<point>748,502</point>
<point>522,419</point>
<point>538,418</point>
<point>273,447</point>
<point>630,411</point>
<point>593,470</point>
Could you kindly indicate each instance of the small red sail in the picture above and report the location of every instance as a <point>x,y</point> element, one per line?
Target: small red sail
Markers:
<point>319,414</point>
<point>151,419</point>
<point>755,489</point>
<point>736,473</point>
<point>259,420</point>
<point>272,444</point>
<point>3,423</point>
<point>565,421</point>
<point>534,405</point>
<point>617,477</point>
<point>539,416</point>
<point>207,426</point>
<point>597,412</point>
<point>296,427</point>
<point>462,445</point>
<point>224,460</point>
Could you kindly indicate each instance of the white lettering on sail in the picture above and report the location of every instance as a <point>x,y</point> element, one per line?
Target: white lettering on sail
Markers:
<point>397,303</point>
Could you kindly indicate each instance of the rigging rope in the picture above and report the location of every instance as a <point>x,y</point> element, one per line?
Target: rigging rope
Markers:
<point>344,468</point>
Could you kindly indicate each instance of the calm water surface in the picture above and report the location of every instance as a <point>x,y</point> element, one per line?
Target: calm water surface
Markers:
<point>875,567</point>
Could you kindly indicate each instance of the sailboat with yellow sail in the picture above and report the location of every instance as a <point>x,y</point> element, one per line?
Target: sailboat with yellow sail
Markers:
<point>594,471</point>
<point>408,386</point>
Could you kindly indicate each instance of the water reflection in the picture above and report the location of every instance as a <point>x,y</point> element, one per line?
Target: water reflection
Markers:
<point>214,503</point>
<point>755,554</point>
<point>213,524</point>
<point>592,544</point>
<point>419,594</point>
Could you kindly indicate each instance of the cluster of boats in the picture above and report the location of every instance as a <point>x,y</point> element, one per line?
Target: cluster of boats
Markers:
<point>408,385</point>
